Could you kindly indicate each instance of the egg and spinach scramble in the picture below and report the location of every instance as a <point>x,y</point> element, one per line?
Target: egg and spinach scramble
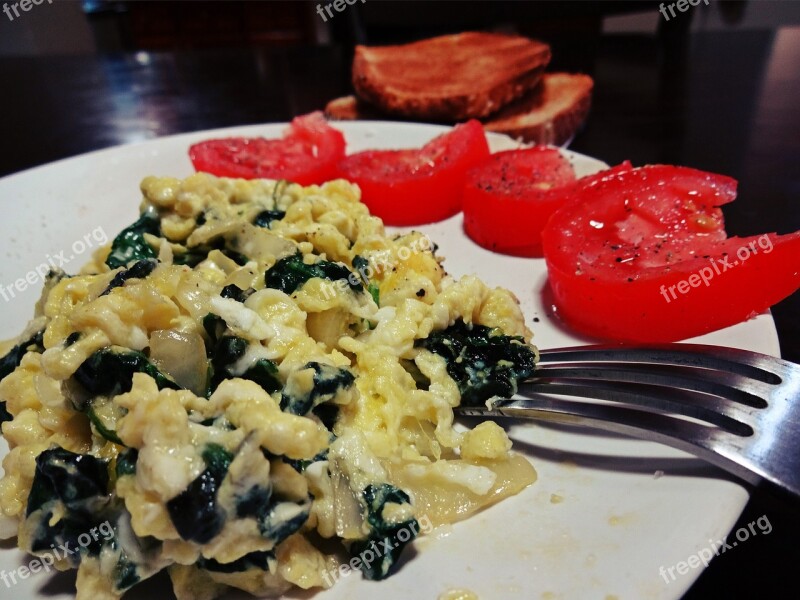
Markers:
<point>252,384</point>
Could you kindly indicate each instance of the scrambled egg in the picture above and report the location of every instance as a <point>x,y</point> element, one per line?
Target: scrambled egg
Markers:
<point>238,376</point>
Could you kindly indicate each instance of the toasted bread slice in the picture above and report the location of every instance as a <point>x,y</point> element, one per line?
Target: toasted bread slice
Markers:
<point>551,114</point>
<point>449,78</point>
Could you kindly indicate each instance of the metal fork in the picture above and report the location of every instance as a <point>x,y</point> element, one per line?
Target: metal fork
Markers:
<point>736,409</point>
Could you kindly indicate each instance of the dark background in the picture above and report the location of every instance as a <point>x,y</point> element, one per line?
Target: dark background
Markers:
<point>717,88</point>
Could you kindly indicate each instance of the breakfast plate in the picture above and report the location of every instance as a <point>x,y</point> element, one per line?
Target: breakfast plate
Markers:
<point>608,516</point>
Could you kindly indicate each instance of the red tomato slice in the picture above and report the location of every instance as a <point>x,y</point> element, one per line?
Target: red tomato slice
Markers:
<point>413,187</point>
<point>509,198</point>
<point>308,153</point>
<point>644,257</point>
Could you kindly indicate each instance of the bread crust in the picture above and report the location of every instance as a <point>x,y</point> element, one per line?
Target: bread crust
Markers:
<point>449,78</point>
<point>551,114</point>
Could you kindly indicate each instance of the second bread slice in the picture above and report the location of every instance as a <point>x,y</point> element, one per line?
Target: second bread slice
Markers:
<point>551,114</point>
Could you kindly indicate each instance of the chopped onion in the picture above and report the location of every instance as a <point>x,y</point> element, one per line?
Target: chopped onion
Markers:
<point>328,326</point>
<point>259,244</point>
<point>182,356</point>
<point>347,510</point>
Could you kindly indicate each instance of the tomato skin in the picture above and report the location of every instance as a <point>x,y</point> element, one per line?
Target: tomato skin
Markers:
<point>308,153</point>
<point>685,283</point>
<point>509,198</point>
<point>414,187</point>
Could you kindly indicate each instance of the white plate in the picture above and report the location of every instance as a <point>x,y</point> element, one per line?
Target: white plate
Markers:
<point>617,522</point>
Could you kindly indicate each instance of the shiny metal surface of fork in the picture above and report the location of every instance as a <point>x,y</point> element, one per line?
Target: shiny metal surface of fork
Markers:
<point>736,409</point>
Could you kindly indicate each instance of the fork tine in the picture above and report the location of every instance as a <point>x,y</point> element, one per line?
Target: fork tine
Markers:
<point>760,367</point>
<point>697,439</point>
<point>716,411</point>
<point>737,388</point>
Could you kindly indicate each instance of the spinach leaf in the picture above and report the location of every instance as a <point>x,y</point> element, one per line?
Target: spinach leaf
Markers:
<point>74,486</point>
<point>126,574</point>
<point>137,558</point>
<point>194,512</point>
<point>104,416</point>
<point>4,414</point>
<point>384,536</point>
<point>215,327</point>
<point>254,560</point>
<point>254,502</point>
<point>328,380</point>
<point>290,273</point>
<point>266,217</point>
<point>277,517</point>
<point>375,292</point>
<point>265,373</point>
<point>126,462</point>
<point>482,361</point>
<point>13,359</point>
<point>421,380</point>
<point>301,465</point>
<point>229,349</point>
<point>327,413</point>
<point>283,519</point>
<point>130,243</point>
<point>66,476</point>
<point>138,270</point>
<point>361,264</point>
<point>110,373</point>
<point>234,292</point>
